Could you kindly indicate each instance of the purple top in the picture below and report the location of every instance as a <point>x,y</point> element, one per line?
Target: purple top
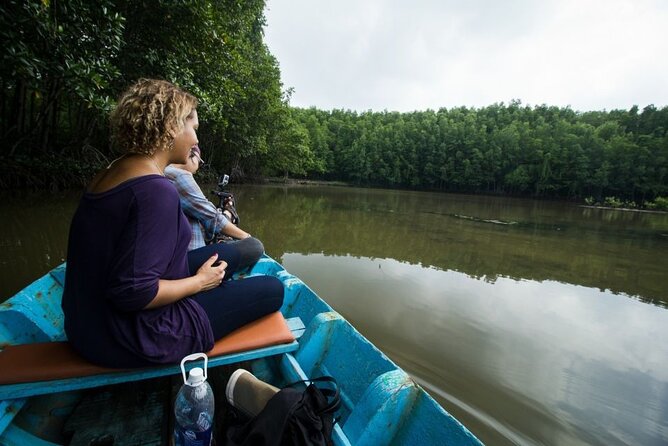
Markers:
<point>121,243</point>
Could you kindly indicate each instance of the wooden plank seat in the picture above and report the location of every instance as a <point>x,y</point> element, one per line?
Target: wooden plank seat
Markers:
<point>50,367</point>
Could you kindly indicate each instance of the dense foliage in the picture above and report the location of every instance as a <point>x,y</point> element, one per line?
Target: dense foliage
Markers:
<point>55,73</point>
<point>64,62</point>
<point>540,151</point>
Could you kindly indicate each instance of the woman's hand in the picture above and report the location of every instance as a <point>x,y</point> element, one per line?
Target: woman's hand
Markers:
<point>211,276</point>
<point>206,278</point>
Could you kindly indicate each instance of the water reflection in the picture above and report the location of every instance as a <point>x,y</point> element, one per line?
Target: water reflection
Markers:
<point>33,239</point>
<point>529,320</point>
<point>534,362</point>
<point>610,250</point>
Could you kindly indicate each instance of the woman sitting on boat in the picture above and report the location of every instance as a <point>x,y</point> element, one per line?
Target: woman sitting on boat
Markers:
<point>134,295</point>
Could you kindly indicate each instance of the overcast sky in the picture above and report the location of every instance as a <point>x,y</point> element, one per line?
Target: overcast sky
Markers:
<point>418,54</point>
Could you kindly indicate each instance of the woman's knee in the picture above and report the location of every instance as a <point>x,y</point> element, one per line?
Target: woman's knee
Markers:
<point>255,246</point>
<point>250,250</point>
<point>274,290</point>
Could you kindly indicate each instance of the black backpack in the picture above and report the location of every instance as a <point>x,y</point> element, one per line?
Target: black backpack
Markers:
<point>292,417</point>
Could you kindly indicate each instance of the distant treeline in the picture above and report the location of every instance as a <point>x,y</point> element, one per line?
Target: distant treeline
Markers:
<point>64,63</point>
<point>539,151</point>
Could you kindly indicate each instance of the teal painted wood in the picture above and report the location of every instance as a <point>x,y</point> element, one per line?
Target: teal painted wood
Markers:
<point>8,410</point>
<point>33,314</point>
<point>387,411</point>
<point>296,326</point>
<point>381,403</point>
<point>293,372</point>
<point>10,391</point>
<point>15,436</point>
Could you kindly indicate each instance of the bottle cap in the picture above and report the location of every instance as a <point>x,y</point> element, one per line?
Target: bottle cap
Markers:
<point>196,377</point>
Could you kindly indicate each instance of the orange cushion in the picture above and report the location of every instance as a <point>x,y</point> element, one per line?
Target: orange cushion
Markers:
<point>45,361</point>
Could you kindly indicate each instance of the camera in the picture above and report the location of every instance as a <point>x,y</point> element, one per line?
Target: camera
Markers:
<point>226,199</point>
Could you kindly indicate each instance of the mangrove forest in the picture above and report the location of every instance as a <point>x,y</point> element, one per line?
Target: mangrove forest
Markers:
<point>65,62</point>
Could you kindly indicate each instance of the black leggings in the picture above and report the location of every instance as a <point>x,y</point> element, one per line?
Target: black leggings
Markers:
<point>234,303</point>
<point>250,250</point>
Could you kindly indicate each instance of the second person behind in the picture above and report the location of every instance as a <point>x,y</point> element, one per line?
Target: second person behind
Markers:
<point>206,220</point>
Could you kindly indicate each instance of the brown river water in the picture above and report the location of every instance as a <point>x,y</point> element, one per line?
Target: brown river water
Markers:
<point>532,322</point>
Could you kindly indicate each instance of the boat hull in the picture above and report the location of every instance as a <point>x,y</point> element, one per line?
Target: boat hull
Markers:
<point>381,403</point>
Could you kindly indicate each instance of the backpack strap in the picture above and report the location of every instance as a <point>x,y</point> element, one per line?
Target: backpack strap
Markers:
<point>333,395</point>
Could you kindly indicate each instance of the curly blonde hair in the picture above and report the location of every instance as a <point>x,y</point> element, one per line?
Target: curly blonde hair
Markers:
<point>149,115</point>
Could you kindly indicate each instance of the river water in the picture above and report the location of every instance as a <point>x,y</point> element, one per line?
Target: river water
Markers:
<point>532,322</point>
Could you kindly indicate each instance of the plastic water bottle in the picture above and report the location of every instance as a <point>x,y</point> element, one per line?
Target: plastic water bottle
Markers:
<point>194,407</point>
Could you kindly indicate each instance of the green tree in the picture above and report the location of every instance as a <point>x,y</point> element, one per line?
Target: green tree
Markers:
<point>58,64</point>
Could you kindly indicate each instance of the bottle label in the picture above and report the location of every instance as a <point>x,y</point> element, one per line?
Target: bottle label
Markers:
<point>187,437</point>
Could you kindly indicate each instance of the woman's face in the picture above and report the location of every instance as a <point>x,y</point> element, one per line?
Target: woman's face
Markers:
<point>184,141</point>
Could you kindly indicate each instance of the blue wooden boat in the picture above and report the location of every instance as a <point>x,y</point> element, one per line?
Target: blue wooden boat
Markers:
<point>381,403</point>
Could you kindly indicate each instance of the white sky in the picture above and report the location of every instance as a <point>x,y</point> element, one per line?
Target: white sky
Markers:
<point>418,54</point>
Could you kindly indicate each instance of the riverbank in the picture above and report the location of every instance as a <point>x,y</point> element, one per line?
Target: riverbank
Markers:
<point>73,172</point>
<point>660,201</point>
<point>295,181</point>
<point>611,208</point>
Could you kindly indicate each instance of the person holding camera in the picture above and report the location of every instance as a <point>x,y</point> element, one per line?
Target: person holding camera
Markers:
<point>208,221</point>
